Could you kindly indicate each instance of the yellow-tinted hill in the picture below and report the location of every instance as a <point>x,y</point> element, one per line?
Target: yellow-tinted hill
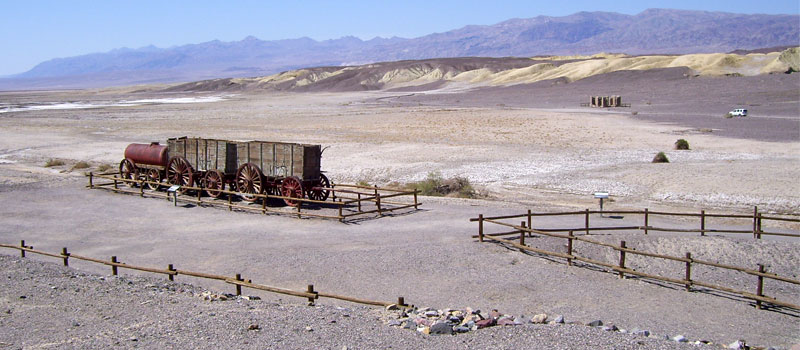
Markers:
<point>467,72</point>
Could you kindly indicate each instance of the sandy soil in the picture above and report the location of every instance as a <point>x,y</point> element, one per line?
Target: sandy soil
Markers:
<point>521,157</point>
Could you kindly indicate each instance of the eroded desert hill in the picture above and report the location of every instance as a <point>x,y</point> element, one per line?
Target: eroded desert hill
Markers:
<point>470,72</point>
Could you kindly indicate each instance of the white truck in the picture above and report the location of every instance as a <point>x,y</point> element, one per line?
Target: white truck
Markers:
<point>739,112</point>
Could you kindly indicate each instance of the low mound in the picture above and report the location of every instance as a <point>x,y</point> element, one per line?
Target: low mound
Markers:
<point>468,72</point>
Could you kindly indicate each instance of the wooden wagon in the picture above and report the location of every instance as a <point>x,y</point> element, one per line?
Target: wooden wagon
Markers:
<point>250,167</point>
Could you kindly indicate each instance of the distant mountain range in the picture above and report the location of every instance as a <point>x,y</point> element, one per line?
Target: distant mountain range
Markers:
<point>652,31</point>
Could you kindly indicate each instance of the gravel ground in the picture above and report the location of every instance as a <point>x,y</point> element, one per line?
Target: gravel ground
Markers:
<point>44,305</point>
<point>425,256</point>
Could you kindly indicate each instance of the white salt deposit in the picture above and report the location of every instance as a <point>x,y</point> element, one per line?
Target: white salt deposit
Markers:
<point>6,108</point>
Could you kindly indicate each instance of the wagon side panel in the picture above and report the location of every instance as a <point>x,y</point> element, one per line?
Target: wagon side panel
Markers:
<point>310,162</point>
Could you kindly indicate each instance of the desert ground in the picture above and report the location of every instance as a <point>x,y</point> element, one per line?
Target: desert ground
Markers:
<point>524,147</point>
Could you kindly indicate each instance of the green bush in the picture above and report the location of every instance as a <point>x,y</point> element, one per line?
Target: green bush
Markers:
<point>80,165</point>
<point>660,158</point>
<point>682,144</point>
<point>103,167</point>
<point>363,183</point>
<point>53,162</point>
<point>435,185</point>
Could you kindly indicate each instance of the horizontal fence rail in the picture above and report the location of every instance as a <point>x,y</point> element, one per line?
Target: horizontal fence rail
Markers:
<point>347,206</point>
<point>756,219</point>
<point>525,229</point>
<point>171,272</point>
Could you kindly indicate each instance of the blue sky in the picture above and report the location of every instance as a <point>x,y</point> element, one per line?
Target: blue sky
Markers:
<point>33,31</point>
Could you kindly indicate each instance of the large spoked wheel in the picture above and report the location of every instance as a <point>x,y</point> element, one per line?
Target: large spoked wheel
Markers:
<point>128,171</point>
<point>180,172</point>
<point>292,187</point>
<point>249,181</point>
<point>214,184</point>
<point>319,192</point>
<point>153,178</point>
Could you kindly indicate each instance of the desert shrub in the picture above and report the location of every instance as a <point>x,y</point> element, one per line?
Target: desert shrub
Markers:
<point>53,162</point>
<point>660,158</point>
<point>681,144</point>
<point>728,115</point>
<point>103,167</point>
<point>363,183</point>
<point>80,165</point>
<point>435,185</point>
<point>635,113</point>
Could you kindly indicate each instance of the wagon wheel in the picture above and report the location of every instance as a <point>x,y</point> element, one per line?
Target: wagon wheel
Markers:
<point>128,171</point>
<point>292,187</point>
<point>180,172</point>
<point>153,175</point>
<point>213,182</point>
<point>318,193</point>
<point>249,181</point>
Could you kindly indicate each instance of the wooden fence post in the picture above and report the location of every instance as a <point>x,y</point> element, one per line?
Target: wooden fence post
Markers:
<point>758,228</point>
<point>310,289</point>
<point>65,254</point>
<point>359,202</point>
<point>91,183</point>
<point>401,301</point>
<point>480,230</point>
<point>755,221</point>
<point>171,276</point>
<point>114,267</point>
<point>569,248</point>
<point>646,220</point>
<point>230,202</point>
<point>530,224</point>
<point>415,200</point>
<point>760,288</point>
<point>688,272</point>
<point>378,202</point>
<point>115,183</point>
<point>622,258</point>
<point>522,233</point>
<point>702,223</point>
<point>22,251</point>
<point>238,287</point>
<point>141,188</point>
<point>341,218</point>
<point>587,222</point>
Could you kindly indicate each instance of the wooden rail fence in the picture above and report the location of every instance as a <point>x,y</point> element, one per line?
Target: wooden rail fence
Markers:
<point>525,228</point>
<point>310,293</point>
<point>347,200</point>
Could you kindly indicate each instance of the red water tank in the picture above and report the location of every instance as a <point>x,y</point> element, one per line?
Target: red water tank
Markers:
<point>152,154</point>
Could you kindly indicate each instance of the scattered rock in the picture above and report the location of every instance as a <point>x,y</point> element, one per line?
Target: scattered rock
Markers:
<point>441,328</point>
<point>595,323</point>
<point>461,329</point>
<point>611,328</point>
<point>395,323</point>
<point>485,323</point>
<point>432,313</point>
<point>133,339</point>
<point>539,318</point>
<point>642,332</point>
<point>309,329</point>
<point>680,339</point>
<point>559,319</point>
<point>505,321</point>
<point>739,345</point>
<point>391,307</point>
<point>253,327</point>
